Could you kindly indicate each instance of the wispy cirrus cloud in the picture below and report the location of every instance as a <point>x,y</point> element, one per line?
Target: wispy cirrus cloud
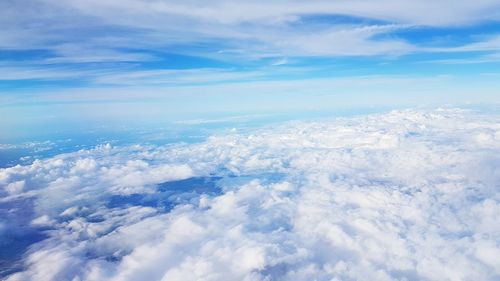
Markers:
<point>263,28</point>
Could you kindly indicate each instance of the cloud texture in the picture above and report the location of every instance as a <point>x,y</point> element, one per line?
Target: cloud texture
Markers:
<point>407,195</point>
<point>124,31</point>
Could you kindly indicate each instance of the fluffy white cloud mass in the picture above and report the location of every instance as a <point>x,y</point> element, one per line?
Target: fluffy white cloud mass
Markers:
<point>407,195</point>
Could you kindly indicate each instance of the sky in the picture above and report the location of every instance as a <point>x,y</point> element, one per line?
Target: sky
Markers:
<point>115,62</point>
<point>249,140</point>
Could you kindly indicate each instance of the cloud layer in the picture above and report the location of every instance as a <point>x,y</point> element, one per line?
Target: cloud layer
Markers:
<point>407,195</point>
<point>136,30</point>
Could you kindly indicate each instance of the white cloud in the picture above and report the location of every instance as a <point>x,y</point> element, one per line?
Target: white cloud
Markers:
<point>404,195</point>
<point>222,29</point>
<point>422,12</point>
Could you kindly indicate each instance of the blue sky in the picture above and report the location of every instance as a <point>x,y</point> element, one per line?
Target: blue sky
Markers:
<point>149,60</point>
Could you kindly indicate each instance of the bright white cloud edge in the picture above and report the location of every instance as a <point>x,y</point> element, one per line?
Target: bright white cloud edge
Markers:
<point>408,194</point>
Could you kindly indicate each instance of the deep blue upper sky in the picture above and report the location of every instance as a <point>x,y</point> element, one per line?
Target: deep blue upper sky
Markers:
<point>161,59</point>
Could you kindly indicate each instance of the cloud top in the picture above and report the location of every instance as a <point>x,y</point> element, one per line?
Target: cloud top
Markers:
<point>407,195</point>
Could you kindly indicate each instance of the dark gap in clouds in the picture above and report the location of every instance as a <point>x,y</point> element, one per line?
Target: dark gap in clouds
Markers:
<point>170,194</point>
<point>17,234</point>
<point>14,156</point>
<point>275,272</point>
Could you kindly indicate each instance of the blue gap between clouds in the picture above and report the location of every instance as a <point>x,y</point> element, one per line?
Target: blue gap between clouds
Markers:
<point>17,215</point>
<point>20,235</point>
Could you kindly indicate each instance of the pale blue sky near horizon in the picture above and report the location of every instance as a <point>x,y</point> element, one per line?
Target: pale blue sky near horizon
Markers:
<point>87,64</point>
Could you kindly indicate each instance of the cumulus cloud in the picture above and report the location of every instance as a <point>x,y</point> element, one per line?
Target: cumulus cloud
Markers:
<point>407,195</point>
